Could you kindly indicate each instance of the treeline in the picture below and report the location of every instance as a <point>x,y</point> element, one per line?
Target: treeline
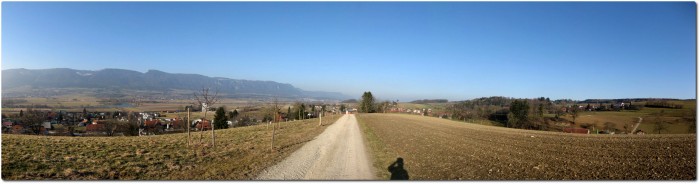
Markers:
<point>530,113</point>
<point>349,101</point>
<point>510,112</point>
<point>425,101</point>
<point>27,106</point>
<point>368,104</point>
<point>13,101</point>
<point>620,100</point>
<point>300,111</point>
<point>662,104</point>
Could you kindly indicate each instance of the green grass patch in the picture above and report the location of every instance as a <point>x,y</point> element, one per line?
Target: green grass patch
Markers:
<point>381,156</point>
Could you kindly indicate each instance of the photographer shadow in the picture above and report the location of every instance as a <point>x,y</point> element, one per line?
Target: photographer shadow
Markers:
<point>397,170</point>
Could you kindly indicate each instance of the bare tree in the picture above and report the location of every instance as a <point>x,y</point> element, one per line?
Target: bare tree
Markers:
<point>136,100</point>
<point>33,119</point>
<point>693,123</point>
<point>574,112</point>
<point>609,126</point>
<point>660,125</point>
<point>693,127</point>
<point>111,127</point>
<point>208,100</point>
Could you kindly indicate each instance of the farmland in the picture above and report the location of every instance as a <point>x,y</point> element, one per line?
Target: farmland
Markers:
<point>240,153</point>
<point>76,103</point>
<point>619,116</point>
<point>439,149</point>
<point>679,121</point>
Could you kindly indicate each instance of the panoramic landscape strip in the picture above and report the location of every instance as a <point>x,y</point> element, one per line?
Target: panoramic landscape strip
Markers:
<point>338,91</point>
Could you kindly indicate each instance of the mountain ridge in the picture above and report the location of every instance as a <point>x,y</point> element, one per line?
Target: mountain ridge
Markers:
<point>151,80</point>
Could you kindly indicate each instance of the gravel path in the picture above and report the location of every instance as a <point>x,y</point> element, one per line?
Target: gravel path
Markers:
<point>637,125</point>
<point>337,154</point>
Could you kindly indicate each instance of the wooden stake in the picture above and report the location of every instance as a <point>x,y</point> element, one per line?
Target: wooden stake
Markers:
<point>188,126</point>
<point>272,143</point>
<point>213,137</point>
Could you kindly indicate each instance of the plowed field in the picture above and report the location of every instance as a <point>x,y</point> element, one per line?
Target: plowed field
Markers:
<point>439,149</point>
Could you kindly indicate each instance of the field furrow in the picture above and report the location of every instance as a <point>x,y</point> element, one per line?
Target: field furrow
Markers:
<point>439,149</point>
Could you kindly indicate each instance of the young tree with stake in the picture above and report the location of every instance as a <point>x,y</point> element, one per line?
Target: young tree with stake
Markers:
<point>209,100</point>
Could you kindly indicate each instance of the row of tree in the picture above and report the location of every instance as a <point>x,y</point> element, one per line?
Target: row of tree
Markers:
<point>511,112</point>
<point>368,104</point>
<point>221,118</point>
<point>33,120</point>
<point>662,104</point>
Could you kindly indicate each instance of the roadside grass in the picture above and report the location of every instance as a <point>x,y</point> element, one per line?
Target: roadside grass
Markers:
<point>439,149</point>
<point>240,153</point>
<point>380,155</point>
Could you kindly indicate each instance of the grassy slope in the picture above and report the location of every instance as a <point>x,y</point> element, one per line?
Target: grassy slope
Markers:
<point>672,117</point>
<point>438,149</point>
<point>240,154</point>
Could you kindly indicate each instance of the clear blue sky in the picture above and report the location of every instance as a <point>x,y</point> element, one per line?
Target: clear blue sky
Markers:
<point>405,51</point>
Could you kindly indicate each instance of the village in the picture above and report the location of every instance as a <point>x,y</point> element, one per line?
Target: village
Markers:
<point>64,123</point>
<point>129,123</point>
<point>49,122</point>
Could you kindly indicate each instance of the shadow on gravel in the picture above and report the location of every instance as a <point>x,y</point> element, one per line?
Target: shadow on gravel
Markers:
<point>397,171</point>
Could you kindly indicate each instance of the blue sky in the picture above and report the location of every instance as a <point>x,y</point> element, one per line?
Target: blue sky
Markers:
<point>405,51</point>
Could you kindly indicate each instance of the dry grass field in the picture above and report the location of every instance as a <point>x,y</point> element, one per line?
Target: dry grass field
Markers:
<point>240,154</point>
<point>439,149</point>
<point>76,103</point>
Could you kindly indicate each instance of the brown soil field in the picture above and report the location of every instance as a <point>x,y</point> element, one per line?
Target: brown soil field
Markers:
<point>240,154</point>
<point>439,149</point>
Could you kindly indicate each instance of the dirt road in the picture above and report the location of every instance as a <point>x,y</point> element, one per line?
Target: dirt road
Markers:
<point>337,154</point>
<point>637,125</point>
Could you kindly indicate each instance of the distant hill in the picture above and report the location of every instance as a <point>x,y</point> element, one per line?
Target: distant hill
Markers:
<point>425,101</point>
<point>349,101</point>
<point>18,80</point>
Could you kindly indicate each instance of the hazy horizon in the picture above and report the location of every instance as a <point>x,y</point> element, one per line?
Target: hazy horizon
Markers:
<point>357,98</point>
<point>396,50</point>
